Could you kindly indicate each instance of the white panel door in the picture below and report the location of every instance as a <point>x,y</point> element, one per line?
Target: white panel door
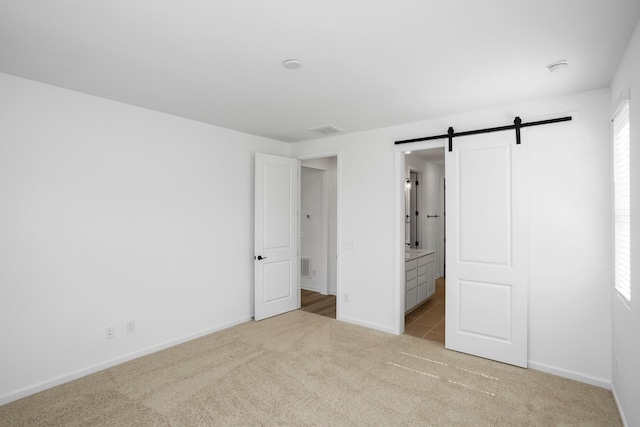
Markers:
<point>276,236</point>
<point>486,286</point>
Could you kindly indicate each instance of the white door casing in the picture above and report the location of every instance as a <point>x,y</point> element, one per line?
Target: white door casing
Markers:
<point>276,287</point>
<point>487,261</point>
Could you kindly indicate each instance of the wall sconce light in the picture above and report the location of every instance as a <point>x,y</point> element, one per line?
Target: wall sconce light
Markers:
<point>407,183</point>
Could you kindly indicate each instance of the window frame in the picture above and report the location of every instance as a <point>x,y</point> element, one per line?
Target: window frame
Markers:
<point>621,173</point>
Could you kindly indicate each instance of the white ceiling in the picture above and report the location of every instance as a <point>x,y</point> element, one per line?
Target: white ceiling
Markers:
<point>367,63</point>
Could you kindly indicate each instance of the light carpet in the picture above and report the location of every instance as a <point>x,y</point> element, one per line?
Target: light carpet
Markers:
<point>300,369</point>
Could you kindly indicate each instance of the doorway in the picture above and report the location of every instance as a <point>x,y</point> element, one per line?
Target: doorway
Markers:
<point>424,187</point>
<point>277,230</point>
<point>318,235</point>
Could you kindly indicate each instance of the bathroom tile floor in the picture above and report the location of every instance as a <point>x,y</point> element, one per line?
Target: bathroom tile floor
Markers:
<point>427,320</point>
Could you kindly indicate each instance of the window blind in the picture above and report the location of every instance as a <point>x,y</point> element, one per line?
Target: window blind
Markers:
<point>622,200</point>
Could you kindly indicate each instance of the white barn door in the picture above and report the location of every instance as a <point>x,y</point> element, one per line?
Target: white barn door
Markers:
<point>486,285</point>
<point>276,287</point>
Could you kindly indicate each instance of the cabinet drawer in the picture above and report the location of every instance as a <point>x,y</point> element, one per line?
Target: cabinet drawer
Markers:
<point>410,265</point>
<point>412,274</point>
<point>412,299</point>
<point>422,279</point>
<point>422,270</point>
<point>422,260</point>
<point>411,284</point>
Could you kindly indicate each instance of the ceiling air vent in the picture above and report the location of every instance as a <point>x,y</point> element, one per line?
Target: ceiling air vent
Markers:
<point>326,129</point>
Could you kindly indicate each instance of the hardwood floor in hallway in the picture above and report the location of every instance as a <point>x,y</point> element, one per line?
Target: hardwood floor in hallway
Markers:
<point>317,303</point>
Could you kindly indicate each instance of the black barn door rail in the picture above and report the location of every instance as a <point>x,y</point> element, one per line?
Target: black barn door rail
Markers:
<point>517,125</point>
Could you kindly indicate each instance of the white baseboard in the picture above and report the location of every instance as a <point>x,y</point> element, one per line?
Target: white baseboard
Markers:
<point>572,375</point>
<point>314,289</point>
<point>367,324</point>
<point>27,391</point>
<point>620,411</point>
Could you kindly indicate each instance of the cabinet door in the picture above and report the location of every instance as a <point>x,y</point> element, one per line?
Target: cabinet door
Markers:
<point>422,293</point>
<point>412,298</point>
<point>431,277</point>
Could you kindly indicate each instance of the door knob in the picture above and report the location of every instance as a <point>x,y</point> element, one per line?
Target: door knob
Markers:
<point>260,257</point>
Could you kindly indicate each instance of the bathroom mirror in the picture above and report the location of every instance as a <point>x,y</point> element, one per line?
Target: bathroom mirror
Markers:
<point>412,214</point>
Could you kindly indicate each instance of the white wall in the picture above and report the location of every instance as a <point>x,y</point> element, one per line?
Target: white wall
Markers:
<point>332,184</point>
<point>366,211</point>
<point>111,213</point>
<point>569,198</point>
<point>570,242</point>
<point>330,165</point>
<point>313,230</point>
<point>626,320</point>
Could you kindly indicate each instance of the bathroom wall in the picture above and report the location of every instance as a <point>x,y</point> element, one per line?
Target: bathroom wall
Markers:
<point>430,204</point>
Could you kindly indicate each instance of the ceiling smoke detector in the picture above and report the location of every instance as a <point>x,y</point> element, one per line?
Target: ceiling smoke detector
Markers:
<point>292,64</point>
<point>326,129</point>
<point>558,66</point>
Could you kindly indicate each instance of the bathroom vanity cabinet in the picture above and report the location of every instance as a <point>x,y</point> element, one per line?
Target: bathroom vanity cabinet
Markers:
<point>420,277</point>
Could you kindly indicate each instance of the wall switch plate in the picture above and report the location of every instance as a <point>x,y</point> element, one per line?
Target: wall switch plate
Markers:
<point>131,326</point>
<point>109,332</point>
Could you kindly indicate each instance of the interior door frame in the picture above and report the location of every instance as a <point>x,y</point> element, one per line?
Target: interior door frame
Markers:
<point>400,171</point>
<point>337,155</point>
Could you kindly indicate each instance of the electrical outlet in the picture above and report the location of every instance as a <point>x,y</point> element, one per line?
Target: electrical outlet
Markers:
<point>345,297</point>
<point>131,326</point>
<point>109,332</point>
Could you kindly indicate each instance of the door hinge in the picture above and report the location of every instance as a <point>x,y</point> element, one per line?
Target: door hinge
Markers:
<point>416,213</point>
